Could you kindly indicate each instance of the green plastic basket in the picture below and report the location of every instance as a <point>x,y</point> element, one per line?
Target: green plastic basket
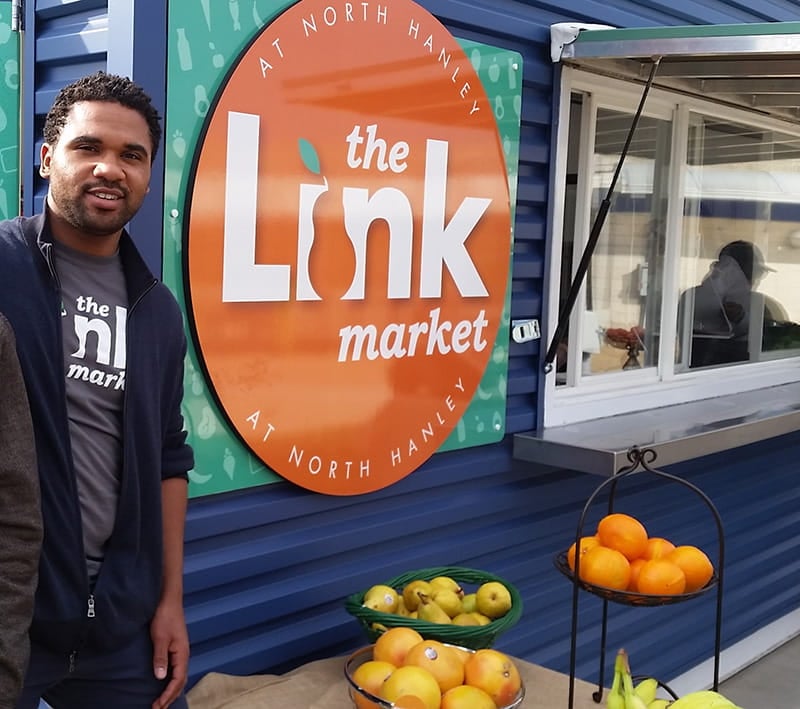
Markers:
<point>474,637</point>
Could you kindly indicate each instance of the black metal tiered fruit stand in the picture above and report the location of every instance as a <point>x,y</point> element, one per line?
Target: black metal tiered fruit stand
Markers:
<point>640,460</point>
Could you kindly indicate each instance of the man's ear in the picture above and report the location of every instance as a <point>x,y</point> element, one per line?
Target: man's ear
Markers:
<point>46,155</point>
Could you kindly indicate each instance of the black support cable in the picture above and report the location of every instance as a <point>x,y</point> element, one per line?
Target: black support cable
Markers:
<point>594,235</point>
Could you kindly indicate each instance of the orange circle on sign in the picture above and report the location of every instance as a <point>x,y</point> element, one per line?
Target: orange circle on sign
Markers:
<point>348,241</point>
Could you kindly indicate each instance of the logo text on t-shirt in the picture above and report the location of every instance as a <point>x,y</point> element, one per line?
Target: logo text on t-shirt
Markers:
<point>100,333</point>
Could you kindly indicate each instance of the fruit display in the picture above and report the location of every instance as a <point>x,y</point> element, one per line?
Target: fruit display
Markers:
<point>625,695</point>
<point>406,671</point>
<point>450,604</point>
<point>622,557</point>
<point>442,600</point>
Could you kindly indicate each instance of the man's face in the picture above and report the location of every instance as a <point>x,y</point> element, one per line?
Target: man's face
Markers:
<point>99,172</point>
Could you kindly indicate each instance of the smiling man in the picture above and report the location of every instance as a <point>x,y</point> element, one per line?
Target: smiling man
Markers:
<point>102,347</point>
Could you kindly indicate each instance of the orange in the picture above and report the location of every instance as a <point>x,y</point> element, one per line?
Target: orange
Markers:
<point>467,697</point>
<point>461,652</point>
<point>586,544</point>
<point>636,567</point>
<point>370,676</point>
<point>657,548</point>
<point>606,567</point>
<point>624,533</point>
<point>495,673</point>
<point>697,567</point>
<point>440,660</point>
<point>660,577</point>
<point>409,701</point>
<point>414,681</point>
<point>393,644</point>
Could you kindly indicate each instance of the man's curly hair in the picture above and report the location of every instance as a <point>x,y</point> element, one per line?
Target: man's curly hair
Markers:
<point>101,86</point>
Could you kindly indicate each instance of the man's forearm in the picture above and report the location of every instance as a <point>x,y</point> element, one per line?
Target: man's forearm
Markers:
<point>174,503</point>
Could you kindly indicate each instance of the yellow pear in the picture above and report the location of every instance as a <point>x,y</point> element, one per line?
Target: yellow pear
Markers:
<point>412,590</point>
<point>481,618</point>
<point>430,611</point>
<point>401,608</point>
<point>466,619</point>
<point>468,603</point>
<point>447,600</point>
<point>447,582</point>
<point>381,598</point>
<point>493,599</point>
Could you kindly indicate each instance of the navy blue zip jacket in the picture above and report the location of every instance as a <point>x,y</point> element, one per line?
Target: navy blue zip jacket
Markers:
<point>67,616</point>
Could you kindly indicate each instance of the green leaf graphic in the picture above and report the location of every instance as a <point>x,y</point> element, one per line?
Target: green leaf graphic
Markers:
<point>309,156</point>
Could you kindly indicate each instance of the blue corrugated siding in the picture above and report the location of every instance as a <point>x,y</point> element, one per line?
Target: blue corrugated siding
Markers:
<point>67,40</point>
<point>63,41</point>
<point>267,569</point>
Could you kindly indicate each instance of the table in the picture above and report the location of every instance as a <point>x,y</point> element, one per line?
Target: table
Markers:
<point>321,685</point>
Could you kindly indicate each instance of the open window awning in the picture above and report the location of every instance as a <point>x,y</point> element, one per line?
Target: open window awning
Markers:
<point>756,66</point>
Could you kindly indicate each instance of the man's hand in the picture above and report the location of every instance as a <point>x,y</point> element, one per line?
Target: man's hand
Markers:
<point>170,650</point>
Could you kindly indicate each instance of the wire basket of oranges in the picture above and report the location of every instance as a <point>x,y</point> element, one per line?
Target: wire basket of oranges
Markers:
<point>621,562</point>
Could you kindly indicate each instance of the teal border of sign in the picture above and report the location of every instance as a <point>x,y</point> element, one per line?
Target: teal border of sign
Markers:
<point>205,38</point>
<point>9,115</point>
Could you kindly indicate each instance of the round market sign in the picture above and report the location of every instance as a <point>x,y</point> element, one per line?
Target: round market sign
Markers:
<point>347,242</point>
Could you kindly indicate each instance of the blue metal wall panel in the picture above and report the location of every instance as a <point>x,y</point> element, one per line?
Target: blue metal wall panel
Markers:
<point>63,41</point>
<point>66,40</point>
<point>267,569</point>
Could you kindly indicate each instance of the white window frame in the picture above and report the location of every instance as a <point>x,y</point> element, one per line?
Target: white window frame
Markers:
<point>636,390</point>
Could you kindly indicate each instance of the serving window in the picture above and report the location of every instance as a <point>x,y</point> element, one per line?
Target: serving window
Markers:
<point>690,292</point>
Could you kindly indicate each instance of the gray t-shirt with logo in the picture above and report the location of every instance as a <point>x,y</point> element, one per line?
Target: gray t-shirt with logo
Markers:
<point>93,316</point>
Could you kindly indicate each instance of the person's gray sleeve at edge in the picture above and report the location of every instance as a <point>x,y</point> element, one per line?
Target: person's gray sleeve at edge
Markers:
<point>20,521</point>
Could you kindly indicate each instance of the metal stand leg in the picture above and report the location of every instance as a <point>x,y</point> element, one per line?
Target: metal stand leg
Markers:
<point>640,462</point>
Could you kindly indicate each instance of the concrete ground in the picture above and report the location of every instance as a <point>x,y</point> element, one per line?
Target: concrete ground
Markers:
<point>773,682</point>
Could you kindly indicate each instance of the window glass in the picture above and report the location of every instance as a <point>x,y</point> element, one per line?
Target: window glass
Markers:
<point>617,322</point>
<point>740,246</point>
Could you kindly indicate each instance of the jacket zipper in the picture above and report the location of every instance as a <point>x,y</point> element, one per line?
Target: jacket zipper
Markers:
<point>89,614</point>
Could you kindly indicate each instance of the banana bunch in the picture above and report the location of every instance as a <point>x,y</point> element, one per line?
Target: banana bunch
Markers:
<point>624,695</point>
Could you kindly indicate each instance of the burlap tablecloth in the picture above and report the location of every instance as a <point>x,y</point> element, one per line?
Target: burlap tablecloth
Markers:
<point>321,685</point>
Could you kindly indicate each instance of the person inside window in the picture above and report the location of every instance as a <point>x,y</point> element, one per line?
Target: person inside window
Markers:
<point>723,308</point>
